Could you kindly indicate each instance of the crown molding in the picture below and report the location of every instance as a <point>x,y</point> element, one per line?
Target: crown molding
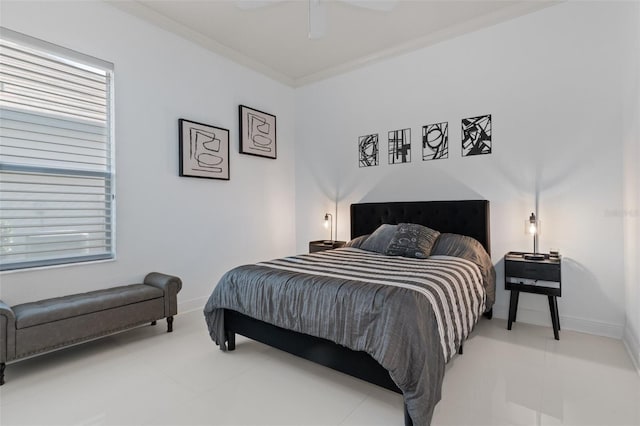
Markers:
<point>475,24</point>
<point>147,14</point>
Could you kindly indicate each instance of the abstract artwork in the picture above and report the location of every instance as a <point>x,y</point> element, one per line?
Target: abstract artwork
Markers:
<point>257,132</point>
<point>204,150</point>
<point>400,146</point>
<point>435,141</point>
<point>368,150</point>
<point>476,135</point>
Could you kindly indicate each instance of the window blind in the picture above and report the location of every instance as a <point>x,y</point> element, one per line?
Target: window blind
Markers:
<point>56,155</point>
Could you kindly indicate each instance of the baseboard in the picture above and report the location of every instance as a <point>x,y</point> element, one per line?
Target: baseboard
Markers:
<point>192,304</point>
<point>543,318</point>
<point>633,347</point>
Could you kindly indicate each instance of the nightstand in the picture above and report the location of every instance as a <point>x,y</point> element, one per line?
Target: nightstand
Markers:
<point>322,245</point>
<point>533,276</point>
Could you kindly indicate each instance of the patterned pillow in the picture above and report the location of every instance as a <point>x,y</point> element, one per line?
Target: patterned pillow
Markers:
<point>379,240</point>
<point>412,240</point>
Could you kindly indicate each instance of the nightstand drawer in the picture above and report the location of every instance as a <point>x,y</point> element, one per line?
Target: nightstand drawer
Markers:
<point>510,281</point>
<point>530,270</point>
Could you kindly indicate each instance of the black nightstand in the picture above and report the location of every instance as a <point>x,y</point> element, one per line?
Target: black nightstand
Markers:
<point>533,276</point>
<point>322,245</point>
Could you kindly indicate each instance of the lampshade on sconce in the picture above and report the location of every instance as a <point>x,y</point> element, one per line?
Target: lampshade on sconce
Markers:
<point>328,223</point>
<point>532,227</point>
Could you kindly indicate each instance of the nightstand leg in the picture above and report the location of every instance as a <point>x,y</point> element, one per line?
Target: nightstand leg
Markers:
<point>553,308</point>
<point>513,307</point>
<point>555,302</point>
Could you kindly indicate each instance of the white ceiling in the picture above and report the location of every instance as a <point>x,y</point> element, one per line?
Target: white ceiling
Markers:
<point>273,39</point>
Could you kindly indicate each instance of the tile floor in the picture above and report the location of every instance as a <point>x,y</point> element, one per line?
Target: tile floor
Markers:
<point>148,377</point>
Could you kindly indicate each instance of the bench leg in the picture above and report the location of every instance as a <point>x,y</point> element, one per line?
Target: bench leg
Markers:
<point>2,367</point>
<point>154,322</point>
<point>169,324</point>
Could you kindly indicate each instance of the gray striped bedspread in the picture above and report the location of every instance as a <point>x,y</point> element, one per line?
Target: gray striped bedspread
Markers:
<point>410,315</point>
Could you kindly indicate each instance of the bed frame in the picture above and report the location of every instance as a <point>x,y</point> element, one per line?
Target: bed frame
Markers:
<point>468,217</point>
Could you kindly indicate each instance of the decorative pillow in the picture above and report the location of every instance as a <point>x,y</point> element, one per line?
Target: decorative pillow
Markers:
<point>412,240</point>
<point>357,242</point>
<point>379,240</point>
<point>470,249</point>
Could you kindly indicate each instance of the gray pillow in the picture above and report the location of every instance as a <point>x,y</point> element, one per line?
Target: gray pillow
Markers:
<point>412,240</point>
<point>470,249</point>
<point>379,240</point>
<point>357,242</point>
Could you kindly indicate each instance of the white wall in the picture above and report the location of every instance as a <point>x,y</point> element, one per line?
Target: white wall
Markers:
<point>631,210</point>
<point>563,120</point>
<point>552,81</point>
<point>194,228</point>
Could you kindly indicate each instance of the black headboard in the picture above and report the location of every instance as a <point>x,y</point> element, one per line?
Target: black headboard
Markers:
<point>467,217</point>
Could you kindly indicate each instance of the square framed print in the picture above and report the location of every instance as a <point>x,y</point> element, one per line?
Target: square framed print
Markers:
<point>204,150</point>
<point>257,132</point>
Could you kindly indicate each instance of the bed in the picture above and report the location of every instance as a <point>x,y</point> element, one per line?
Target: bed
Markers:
<point>260,302</point>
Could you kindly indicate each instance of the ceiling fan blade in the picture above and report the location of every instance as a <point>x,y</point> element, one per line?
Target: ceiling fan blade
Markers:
<point>379,5</point>
<point>317,19</point>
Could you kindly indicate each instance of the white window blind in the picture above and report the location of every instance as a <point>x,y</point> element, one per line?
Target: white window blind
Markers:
<point>56,155</point>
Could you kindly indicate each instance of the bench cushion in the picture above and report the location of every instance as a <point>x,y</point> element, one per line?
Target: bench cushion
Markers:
<point>59,308</point>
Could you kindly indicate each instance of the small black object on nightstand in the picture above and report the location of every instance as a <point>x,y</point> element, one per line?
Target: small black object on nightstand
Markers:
<point>539,276</point>
<point>322,245</point>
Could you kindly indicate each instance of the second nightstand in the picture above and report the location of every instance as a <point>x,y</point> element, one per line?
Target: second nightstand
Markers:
<point>533,276</point>
<point>322,245</point>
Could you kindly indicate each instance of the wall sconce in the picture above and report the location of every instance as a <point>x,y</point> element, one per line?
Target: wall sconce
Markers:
<point>328,223</point>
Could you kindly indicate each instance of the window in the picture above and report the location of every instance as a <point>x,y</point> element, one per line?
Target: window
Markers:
<point>56,155</point>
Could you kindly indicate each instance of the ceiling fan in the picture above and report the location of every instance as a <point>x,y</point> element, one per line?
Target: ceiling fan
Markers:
<point>318,11</point>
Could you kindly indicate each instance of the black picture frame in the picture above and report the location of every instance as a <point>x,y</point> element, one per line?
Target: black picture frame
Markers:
<point>203,150</point>
<point>257,132</point>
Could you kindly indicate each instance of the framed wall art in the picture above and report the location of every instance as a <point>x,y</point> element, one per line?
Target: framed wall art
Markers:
<point>257,132</point>
<point>204,150</point>
<point>368,151</point>
<point>435,141</point>
<point>400,146</point>
<point>476,135</point>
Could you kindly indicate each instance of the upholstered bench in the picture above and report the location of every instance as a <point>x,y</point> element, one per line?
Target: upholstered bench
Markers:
<point>33,328</point>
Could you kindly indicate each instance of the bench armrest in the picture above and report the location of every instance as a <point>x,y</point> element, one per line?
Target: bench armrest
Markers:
<point>170,285</point>
<point>7,333</point>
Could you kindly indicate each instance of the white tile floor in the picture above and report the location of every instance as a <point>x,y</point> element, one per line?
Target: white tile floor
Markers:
<point>148,377</point>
